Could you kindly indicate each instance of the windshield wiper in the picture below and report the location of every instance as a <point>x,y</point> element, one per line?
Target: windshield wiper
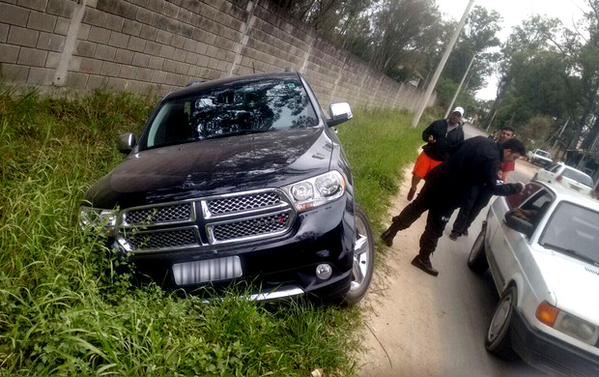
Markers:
<point>572,252</point>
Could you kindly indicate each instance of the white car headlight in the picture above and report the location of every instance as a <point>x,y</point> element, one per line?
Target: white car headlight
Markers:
<point>577,328</point>
<point>97,219</point>
<point>567,323</point>
<point>316,191</point>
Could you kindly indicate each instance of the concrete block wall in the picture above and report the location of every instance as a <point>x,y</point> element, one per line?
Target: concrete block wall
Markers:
<point>161,45</point>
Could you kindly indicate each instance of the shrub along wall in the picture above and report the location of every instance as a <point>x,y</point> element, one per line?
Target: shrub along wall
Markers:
<point>159,45</point>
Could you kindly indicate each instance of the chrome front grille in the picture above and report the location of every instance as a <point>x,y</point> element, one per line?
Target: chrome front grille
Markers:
<point>166,214</point>
<point>229,218</point>
<point>163,239</point>
<point>256,227</point>
<point>226,205</point>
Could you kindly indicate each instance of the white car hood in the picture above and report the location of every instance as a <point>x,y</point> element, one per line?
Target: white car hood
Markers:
<point>574,283</point>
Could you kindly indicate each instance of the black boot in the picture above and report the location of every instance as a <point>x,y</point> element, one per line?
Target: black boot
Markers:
<point>424,263</point>
<point>454,235</point>
<point>387,237</point>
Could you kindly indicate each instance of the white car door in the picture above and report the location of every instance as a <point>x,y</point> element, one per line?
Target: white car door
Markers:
<point>509,246</point>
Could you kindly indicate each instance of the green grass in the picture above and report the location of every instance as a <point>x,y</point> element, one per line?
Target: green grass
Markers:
<point>63,311</point>
<point>379,144</point>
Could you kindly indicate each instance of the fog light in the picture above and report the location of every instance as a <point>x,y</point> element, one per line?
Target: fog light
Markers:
<point>324,271</point>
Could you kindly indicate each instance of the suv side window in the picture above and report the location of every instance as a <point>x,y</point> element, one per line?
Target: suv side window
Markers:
<point>536,206</point>
<point>516,200</point>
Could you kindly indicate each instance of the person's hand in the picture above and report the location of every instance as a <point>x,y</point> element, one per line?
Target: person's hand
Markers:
<point>431,139</point>
<point>519,186</point>
<point>518,212</point>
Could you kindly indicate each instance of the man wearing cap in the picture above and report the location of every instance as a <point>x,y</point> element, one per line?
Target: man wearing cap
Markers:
<point>443,137</point>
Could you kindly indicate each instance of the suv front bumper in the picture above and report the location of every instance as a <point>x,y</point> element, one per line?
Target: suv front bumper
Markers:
<point>278,266</point>
<point>549,353</point>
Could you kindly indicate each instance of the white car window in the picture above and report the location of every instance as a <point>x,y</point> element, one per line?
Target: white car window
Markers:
<point>574,230</point>
<point>578,176</point>
<point>536,207</point>
<point>554,168</point>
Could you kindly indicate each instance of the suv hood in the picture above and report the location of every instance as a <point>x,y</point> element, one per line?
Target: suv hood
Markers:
<point>215,166</point>
<point>573,282</point>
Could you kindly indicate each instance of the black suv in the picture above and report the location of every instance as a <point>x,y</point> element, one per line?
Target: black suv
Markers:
<point>241,179</point>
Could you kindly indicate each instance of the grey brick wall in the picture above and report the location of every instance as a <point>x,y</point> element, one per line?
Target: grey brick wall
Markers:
<point>160,45</point>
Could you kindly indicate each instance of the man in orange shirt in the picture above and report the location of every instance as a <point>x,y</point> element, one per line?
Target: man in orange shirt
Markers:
<point>443,137</point>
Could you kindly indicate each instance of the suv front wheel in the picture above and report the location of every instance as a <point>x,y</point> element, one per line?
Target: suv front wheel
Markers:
<point>363,266</point>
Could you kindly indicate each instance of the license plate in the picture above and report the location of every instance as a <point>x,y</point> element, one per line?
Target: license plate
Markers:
<point>205,271</point>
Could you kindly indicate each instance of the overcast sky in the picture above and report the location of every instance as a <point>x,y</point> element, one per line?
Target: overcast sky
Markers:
<point>513,13</point>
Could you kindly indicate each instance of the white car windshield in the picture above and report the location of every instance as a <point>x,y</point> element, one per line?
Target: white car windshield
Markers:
<point>573,230</point>
<point>247,107</point>
<point>578,176</point>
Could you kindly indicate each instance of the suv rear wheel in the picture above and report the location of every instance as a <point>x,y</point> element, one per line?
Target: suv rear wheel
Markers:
<point>363,266</point>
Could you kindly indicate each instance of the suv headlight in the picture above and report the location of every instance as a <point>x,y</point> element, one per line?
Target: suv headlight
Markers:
<point>97,219</point>
<point>567,323</point>
<point>316,191</point>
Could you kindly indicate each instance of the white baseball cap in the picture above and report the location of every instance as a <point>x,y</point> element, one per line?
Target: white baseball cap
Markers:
<point>459,110</point>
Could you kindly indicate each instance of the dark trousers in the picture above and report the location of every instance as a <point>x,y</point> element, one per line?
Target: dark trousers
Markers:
<point>477,199</point>
<point>438,216</point>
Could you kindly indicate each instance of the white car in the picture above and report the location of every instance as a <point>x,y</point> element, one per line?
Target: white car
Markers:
<point>567,176</point>
<point>540,157</point>
<point>542,249</point>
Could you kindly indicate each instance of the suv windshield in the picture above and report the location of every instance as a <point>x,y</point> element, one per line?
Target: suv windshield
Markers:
<point>578,176</point>
<point>573,229</point>
<point>240,108</point>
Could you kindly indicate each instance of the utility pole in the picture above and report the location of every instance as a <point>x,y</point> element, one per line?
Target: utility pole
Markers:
<point>560,133</point>
<point>457,92</point>
<point>433,83</point>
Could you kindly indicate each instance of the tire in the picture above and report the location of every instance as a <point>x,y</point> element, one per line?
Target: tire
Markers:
<point>363,267</point>
<point>497,339</point>
<point>477,261</point>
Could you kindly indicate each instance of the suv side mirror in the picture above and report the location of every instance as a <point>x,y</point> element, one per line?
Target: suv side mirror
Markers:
<point>340,112</point>
<point>127,142</point>
<point>518,224</point>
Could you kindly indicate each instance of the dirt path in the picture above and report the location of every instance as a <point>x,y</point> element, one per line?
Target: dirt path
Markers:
<point>418,325</point>
<point>390,322</point>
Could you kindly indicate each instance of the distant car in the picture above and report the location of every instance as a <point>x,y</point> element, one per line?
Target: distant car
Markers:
<point>541,249</point>
<point>540,157</point>
<point>567,176</point>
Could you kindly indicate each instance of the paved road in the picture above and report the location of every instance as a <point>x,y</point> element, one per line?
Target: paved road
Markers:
<point>424,326</point>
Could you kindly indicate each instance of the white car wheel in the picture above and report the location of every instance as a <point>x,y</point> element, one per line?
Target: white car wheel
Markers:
<point>498,340</point>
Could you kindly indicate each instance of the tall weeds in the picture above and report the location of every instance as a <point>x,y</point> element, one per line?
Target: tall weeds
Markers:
<point>63,310</point>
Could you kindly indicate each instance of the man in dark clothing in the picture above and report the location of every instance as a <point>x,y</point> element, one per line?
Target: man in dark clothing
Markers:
<point>478,198</point>
<point>443,137</point>
<point>475,164</point>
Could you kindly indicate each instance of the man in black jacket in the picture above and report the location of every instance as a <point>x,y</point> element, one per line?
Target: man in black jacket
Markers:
<point>475,164</point>
<point>443,137</point>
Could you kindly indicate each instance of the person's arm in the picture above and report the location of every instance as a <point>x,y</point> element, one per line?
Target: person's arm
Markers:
<point>495,185</point>
<point>505,175</point>
<point>429,133</point>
